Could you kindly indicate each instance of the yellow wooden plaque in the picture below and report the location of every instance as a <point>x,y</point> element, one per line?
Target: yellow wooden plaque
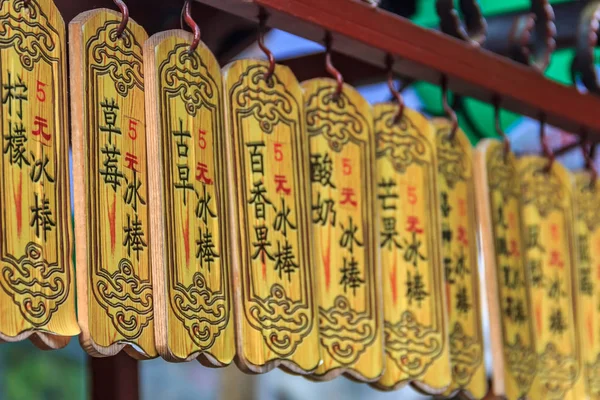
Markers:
<point>586,203</point>
<point>546,209</point>
<point>114,282</point>
<point>188,201</point>
<point>276,312</point>
<point>37,299</point>
<point>502,247</point>
<point>456,188</point>
<point>342,157</point>
<point>415,323</point>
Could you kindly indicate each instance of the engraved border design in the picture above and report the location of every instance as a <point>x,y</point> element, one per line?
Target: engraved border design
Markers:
<point>270,103</point>
<point>203,311</point>
<point>105,55</point>
<point>345,333</point>
<point>36,40</point>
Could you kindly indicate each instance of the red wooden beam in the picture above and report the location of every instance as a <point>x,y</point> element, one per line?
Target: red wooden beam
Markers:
<point>368,34</point>
<point>115,378</point>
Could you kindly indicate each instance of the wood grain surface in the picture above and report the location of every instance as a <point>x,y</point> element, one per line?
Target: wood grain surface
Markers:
<point>38,296</point>
<point>546,210</point>
<point>507,279</point>
<point>344,229</point>
<point>415,322</point>
<point>114,281</point>
<point>188,201</point>
<point>586,205</point>
<point>456,188</point>
<point>275,308</point>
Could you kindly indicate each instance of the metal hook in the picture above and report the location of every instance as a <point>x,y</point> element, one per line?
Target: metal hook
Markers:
<point>262,26</point>
<point>499,129</point>
<point>125,19</point>
<point>333,71</point>
<point>389,61</point>
<point>546,150</point>
<point>186,15</point>
<point>474,30</point>
<point>449,111</point>
<point>588,156</point>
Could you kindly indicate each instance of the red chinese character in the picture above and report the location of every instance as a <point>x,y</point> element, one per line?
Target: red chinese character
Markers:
<point>462,235</point>
<point>413,224</point>
<point>41,124</point>
<point>281,180</point>
<point>346,166</point>
<point>554,231</point>
<point>348,195</point>
<point>555,260</point>
<point>462,207</point>
<point>511,220</point>
<point>131,160</point>
<point>201,171</point>
<point>514,248</point>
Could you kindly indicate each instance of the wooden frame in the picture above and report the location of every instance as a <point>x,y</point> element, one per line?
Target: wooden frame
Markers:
<point>368,34</point>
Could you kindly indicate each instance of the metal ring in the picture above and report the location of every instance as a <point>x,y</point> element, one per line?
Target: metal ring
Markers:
<point>389,61</point>
<point>333,71</point>
<point>588,156</point>
<point>125,19</point>
<point>449,110</point>
<point>186,15</point>
<point>539,23</point>
<point>262,25</point>
<point>474,30</point>
<point>587,40</point>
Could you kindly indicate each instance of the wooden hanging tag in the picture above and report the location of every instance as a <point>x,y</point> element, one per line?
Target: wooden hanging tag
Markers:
<point>114,280</point>
<point>37,299</point>
<point>546,210</point>
<point>586,203</point>
<point>276,314</point>
<point>415,325</point>
<point>506,277</point>
<point>342,171</point>
<point>456,189</point>
<point>188,201</point>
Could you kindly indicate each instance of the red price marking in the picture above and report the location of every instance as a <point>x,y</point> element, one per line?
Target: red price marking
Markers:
<point>131,160</point>
<point>346,166</point>
<point>555,260</point>
<point>554,231</point>
<point>40,93</point>
<point>462,207</point>
<point>412,195</point>
<point>133,129</point>
<point>201,174</point>
<point>281,181</point>
<point>348,197</point>
<point>462,236</point>
<point>41,124</point>
<point>278,152</point>
<point>412,224</point>
<point>511,220</point>
<point>202,139</point>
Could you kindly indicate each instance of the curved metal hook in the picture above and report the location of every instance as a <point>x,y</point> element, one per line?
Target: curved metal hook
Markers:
<point>539,24</point>
<point>474,30</point>
<point>186,15</point>
<point>125,16</point>
<point>333,71</point>
<point>588,156</point>
<point>499,129</point>
<point>546,150</point>
<point>449,110</point>
<point>389,61</point>
<point>263,16</point>
<point>587,40</point>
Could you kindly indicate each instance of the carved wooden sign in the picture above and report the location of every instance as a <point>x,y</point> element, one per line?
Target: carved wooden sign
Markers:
<point>415,326</point>
<point>507,279</point>
<point>37,299</point>
<point>456,188</point>
<point>546,209</point>
<point>188,201</point>
<point>114,282</point>
<point>276,312</point>
<point>586,203</point>
<point>342,161</point>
